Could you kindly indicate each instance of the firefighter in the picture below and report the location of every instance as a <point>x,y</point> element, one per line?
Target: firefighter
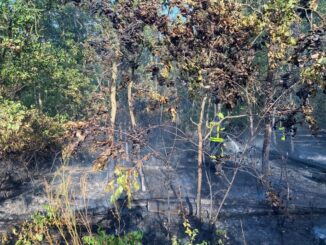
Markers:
<point>216,142</point>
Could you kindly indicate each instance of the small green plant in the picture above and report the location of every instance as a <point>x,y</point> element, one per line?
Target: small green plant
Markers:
<point>36,230</point>
<point>191,234</point>
<point>126,181</point>
<point>174,240</point>
<point>102,238</point>
<point>221,236</point>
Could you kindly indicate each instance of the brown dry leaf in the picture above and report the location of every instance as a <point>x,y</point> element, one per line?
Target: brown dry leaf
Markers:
<point>101,161</point>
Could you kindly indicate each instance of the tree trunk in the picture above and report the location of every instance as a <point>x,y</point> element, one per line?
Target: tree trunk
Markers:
<point>200,156</point>
<point>292,144</point>
<point>268,131</point>
<point>219,107</point>
<point>251,122</point>
<point>273,132</point>
<point>266,147</point>
<point>113,98</point>
<point>142,180</point>
<point>130,101</point>
<point>291,138</point>
<point>133,125</point>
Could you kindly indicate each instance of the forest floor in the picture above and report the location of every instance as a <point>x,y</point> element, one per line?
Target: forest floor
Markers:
<point>298,217</point>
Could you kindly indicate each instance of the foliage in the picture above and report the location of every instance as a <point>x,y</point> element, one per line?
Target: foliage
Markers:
<point>131,38</point>
<point>126,181</point>
<point>191,233</point>
<point>41,75</point>
<point>41,229</point>
<point>24,131</point>
<point>41,72</point>
<point>101,238</point>
<point>222,236</point>
<point>210,49</point>
<point>295,59</point>
<point>37,230</point>
<point>310,58</point>
<point>276,22</point>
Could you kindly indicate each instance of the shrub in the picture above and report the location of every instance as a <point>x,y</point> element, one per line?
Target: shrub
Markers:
<point>25,131</point>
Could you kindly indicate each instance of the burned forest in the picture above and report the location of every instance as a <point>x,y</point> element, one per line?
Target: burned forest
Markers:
<point>190,122</point>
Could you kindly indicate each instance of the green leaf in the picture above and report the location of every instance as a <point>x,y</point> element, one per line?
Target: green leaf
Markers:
<point>220,115</point>
<point>39,237</point>
<point>216,139</point>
